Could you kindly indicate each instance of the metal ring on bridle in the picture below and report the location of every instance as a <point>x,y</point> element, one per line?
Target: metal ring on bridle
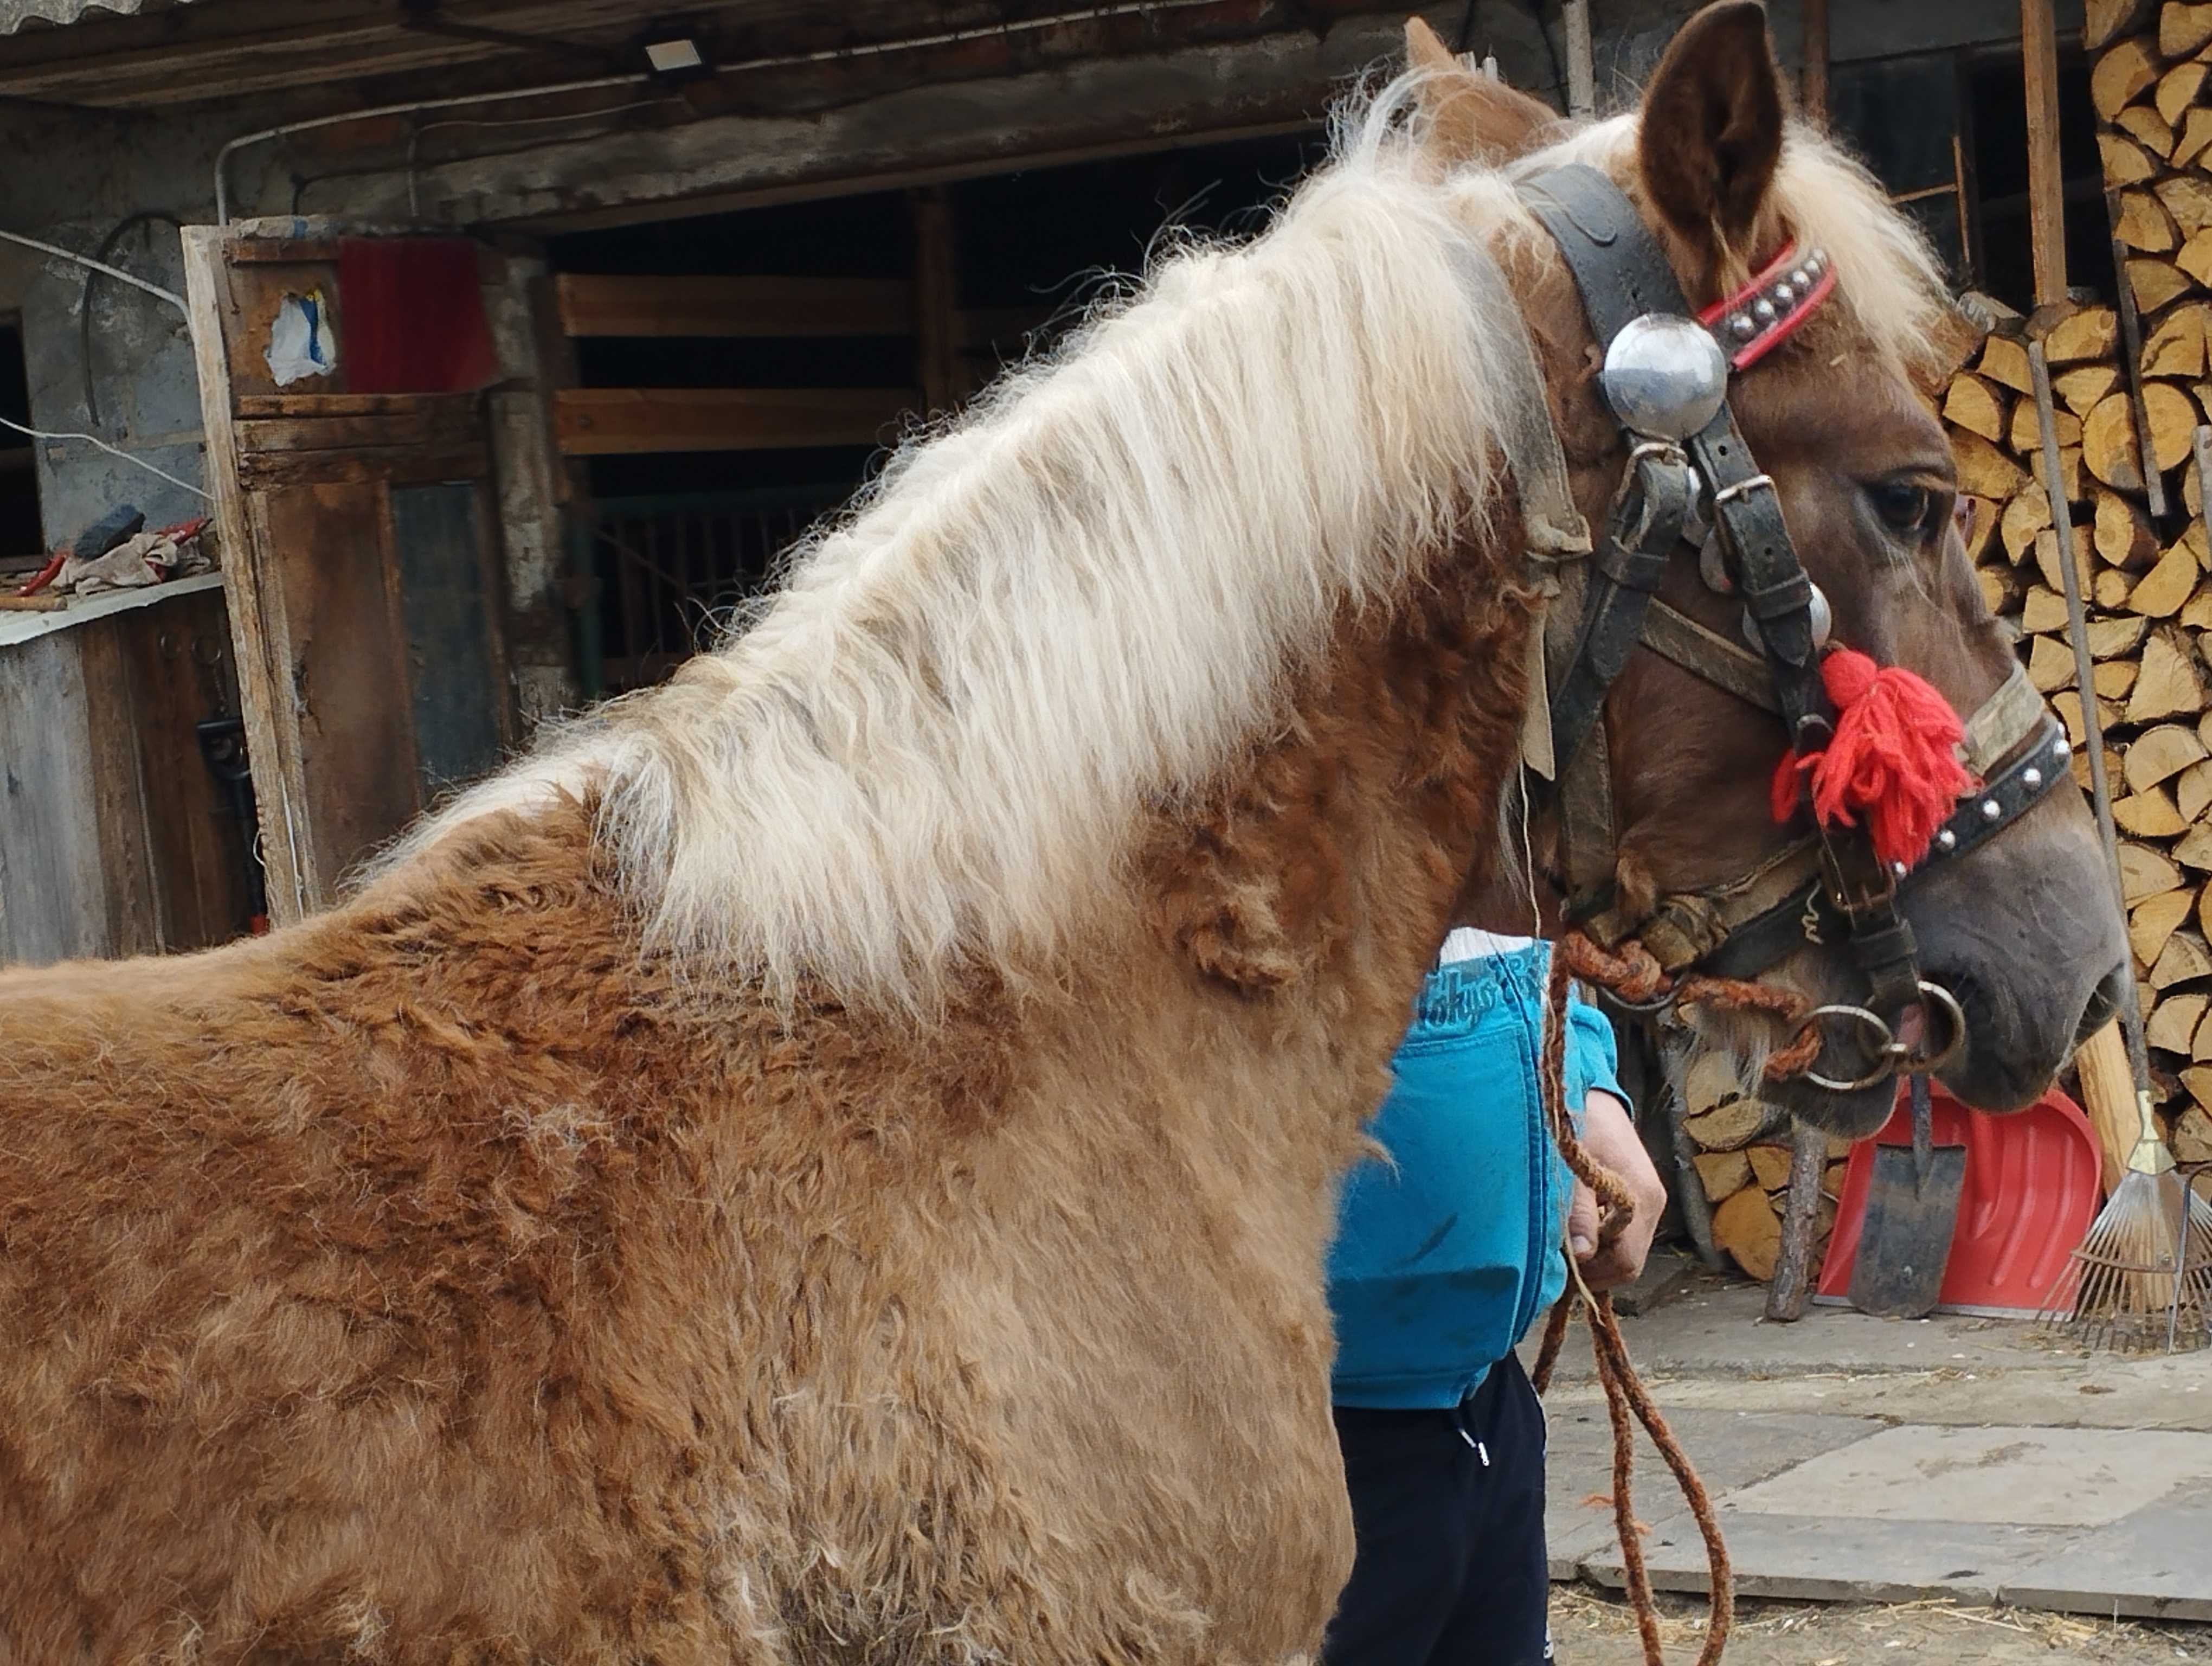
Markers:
<point>1892,1057</point>
<point>1728,494</point>
<point>1659,1003</point>
<point>1934,998</point>
<point>1888,1050</point>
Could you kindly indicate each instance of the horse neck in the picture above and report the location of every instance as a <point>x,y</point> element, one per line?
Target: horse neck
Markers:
<point>1327,866</point>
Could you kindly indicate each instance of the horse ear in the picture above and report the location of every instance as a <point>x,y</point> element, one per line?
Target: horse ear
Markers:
<point>1711,128</point>
<point>1470,118</point>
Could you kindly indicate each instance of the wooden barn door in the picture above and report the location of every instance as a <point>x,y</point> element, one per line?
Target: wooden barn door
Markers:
<point>359,546</point>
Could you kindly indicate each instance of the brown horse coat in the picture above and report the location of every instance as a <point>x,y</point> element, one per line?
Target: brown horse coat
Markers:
<point>442,1280</point>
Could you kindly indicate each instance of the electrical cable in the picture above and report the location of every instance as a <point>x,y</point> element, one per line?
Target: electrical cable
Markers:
<point>117,272</point>
<point>95,439</point>
<point>108,247</point>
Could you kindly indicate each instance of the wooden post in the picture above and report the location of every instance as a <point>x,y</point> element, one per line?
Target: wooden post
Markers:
<point>1582,64</point>
<point>284,853</point>
<point>1791,1286</point>
<point>2046,202</point>
<point>2200,454</point>
<point>1814,88</point>
<point>1690,1189</point>
<point>2131,357</point>
<point>936,317</point>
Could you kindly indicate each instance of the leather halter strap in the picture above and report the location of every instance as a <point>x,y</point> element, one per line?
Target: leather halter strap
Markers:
<point>1621,274</point>
<point>1740,931</point>
<point>1827,888</point>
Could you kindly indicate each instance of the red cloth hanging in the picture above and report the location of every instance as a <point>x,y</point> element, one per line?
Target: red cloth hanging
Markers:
<point>410,316</point>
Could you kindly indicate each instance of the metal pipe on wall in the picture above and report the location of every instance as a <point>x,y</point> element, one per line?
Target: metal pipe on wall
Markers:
<point>85,260</point>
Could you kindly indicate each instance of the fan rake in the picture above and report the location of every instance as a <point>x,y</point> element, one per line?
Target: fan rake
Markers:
<point>2141,1280</point>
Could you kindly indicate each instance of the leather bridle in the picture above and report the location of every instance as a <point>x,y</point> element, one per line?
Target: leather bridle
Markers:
<point>1700,490</point>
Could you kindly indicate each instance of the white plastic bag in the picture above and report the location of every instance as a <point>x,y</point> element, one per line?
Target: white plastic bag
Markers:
<point>301,341</point>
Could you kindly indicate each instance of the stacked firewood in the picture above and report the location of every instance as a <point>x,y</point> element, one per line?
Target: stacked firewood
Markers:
<point>1742,1162</point>
<point>2133,483</point>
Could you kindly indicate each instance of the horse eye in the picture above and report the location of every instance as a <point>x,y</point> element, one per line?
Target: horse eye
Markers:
<point>1906,509</point>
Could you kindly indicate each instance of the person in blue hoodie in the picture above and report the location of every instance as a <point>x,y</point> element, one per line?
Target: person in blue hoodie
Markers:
<point>1445,1254</point>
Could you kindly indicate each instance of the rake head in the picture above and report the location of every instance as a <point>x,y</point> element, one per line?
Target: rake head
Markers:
<point>2142,1280</point>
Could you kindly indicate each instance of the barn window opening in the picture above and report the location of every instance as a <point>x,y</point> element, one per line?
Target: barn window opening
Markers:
<point>22,542</point>
<point>733,378</point>
<point>1946,133</point>
<point>2001,260</point>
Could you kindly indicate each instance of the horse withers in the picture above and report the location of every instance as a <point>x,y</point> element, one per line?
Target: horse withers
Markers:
<point>830,1160</point>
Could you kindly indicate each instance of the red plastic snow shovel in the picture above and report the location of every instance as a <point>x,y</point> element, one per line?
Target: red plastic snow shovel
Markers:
<point>2032,1186</point>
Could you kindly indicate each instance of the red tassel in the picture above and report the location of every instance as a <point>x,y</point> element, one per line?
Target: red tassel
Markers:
<point>1891,759</point>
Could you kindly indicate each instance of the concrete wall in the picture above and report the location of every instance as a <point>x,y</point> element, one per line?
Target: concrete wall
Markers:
<point>70,182</point>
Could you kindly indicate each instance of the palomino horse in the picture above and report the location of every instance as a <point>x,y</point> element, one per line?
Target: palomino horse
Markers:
<point>830,1159</point>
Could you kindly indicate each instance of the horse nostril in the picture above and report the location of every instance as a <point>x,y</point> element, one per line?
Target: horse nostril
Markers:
<point>2104,1001</point>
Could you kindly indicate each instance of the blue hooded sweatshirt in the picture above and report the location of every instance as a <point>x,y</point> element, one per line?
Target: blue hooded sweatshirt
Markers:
<point>1445,1254</point>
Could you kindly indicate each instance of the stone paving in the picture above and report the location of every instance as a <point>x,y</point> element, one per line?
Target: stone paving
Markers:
<point>1870,1460</point>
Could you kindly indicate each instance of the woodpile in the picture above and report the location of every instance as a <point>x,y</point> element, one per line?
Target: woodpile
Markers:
<point>1742,1163</point>
<point>2129,443</point>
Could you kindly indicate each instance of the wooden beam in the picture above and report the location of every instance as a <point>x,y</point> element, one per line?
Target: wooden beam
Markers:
<point>436,421</point>
<point>601,421</point>
<point>1582,62</point>
<point>1812,30</point>
<point>936,325</point>
<point>247,46</point>
<point>944,130</point>
<point>591,304</point>
<point>2046,200</point>
<point>286,848</point>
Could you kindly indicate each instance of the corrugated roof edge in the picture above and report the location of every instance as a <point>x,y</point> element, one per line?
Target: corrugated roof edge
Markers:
<point>59,14</point>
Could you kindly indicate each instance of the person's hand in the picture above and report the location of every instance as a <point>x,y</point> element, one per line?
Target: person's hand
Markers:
<point>1609,1135</point>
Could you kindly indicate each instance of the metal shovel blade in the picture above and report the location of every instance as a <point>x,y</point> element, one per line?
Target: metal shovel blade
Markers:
<point>1911,1210</point>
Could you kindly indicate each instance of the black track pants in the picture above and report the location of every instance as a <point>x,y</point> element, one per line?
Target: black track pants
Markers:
<point>1448,1510</point>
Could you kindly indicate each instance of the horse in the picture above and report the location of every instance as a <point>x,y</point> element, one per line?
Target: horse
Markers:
<point>830,1159</point>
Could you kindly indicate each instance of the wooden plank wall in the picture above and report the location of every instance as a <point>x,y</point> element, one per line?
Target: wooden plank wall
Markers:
<point>114,837</point>
<point>342,642</point>
<point>600,421</point>
<point>53,900</point>
<point>323,495</point>
<point>446,595</point>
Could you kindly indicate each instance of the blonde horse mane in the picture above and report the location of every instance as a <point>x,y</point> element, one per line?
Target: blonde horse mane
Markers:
<point>933,743</point>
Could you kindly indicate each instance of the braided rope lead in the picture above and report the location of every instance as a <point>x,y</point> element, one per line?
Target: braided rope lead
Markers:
<point>1626,1395</point>
<point>1631,974</point>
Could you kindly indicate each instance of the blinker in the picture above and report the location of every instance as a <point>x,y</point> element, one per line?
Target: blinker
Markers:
<point>1665,377</point>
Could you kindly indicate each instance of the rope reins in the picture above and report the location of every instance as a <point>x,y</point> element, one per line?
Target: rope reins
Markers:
<point>1626,1400</point>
